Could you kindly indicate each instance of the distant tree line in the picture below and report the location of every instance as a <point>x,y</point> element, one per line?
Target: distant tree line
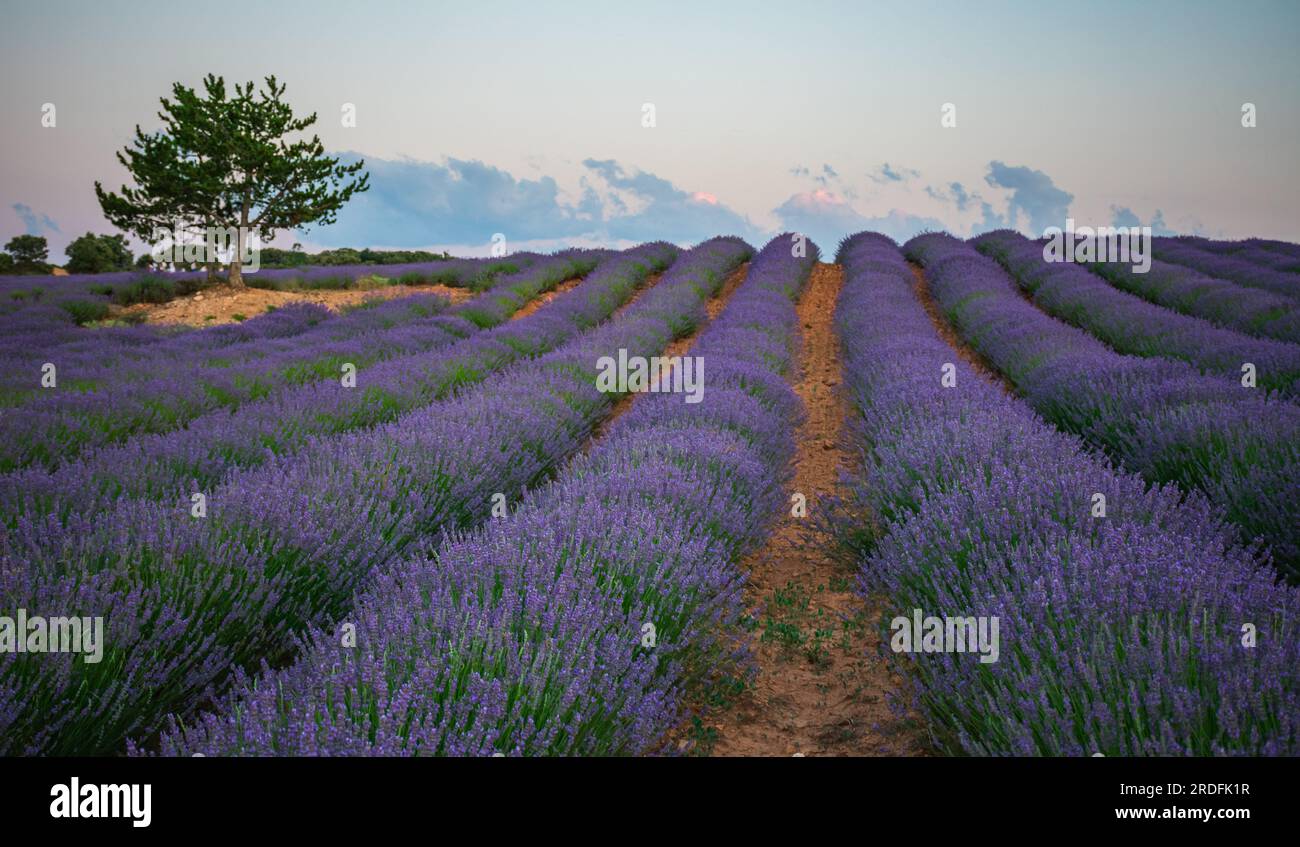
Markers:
<point>93,254</point>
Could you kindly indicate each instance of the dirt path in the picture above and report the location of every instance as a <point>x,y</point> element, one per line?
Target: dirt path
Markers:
<point>542,299</point>
<point>950,336</point>
<point>222,304</point>
<point>712,307</point>
<point>820,688</point>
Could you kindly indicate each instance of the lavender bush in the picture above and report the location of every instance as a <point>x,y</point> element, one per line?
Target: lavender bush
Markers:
<point>172,465</point>
<point>1120,635</point>
<point>1219,301</point>
<point>1129,324</point>
<point>288,545</point>
<point>124,400</point>
<point>528,636</point>
<point>1275,255</point>
<point>1234,266</point>
<point>1159,418</point>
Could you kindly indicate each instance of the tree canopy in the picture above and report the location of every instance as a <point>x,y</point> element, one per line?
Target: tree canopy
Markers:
<point>29,253</point>
<point>99,254</point>
<point>224,161</point>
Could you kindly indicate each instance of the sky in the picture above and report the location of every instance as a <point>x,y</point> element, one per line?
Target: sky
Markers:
<point>530,119</point>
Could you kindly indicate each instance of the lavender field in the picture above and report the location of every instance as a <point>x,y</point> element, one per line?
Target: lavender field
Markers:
<point>391,388</point>
<point>415,528</point>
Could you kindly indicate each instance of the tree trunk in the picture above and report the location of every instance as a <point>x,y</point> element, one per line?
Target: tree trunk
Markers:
<point>237,256</point>
<point>235,276</point>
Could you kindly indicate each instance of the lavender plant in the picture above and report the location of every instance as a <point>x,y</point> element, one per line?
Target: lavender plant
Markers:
<point>288,545</point>
<point>1159,418</point>
<point>57,425</point>
<point>571,626</point>
<point>1248,310</point>
<point>172,465</point>
<point>1149,631</point>
<point>1235,267</point>
<point>1129,324</point>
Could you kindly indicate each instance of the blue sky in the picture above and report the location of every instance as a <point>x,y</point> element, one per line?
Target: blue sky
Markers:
<point>526,119</point>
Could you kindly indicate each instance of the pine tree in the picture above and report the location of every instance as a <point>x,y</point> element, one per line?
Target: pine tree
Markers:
<point>224,162</point>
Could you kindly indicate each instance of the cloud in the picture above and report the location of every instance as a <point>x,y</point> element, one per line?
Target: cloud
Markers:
<point>955,193</point>
<point>1033,196</point>
<point>464,202</point>
<point>885,173</point>
<point>664,210</point>
<point>34,223</point>
<point>826,218</point>
<point>823,177</point>
<point>412,203</point>
<point>962,200</point>
<point>1124,216</point>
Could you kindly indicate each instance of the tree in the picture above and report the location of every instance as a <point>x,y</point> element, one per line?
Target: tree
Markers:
<point>224,162</point>
<point>6,263</point>
<point>29,252</point>
<point>93,254</point>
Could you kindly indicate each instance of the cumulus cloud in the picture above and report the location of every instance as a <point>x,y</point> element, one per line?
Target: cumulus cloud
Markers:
<point>963,200</point>
<point>1034,197</point>
<point>412,203</point>
<point>35,223</point>
<point>1124,216</point>
<point>464,202</point>
<point>826,218</point>
<point>666,211</point>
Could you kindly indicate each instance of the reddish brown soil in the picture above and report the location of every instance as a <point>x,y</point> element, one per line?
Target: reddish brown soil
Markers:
<point>713,307</point>
<point>541,300</point>
<point>949,335</point>
<point>222,304</point>
<point>820,686</point>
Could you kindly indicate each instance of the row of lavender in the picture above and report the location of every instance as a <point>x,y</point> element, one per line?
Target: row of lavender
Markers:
<point>100,358</point>
<point>172,465</point>
<point>1239,268</point>
<point>575,624</point>
<point>124,398</point>
<point>1129,324</point>
<point>1250,310</point>
<point>54,331</point>
<point>45,311</point>
<point>1159,417</point>
<point>1268,253</point>
<point>32,289</point>
<point>1149,631</point>
<point>187,600</point>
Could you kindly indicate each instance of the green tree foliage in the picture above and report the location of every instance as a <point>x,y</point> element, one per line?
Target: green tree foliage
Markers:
<point>29,253</point>
<point>93,254</point>
<point>224,160</point>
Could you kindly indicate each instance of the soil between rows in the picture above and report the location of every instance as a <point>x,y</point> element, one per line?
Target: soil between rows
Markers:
<point>222,304</point>
<point>821,687</point>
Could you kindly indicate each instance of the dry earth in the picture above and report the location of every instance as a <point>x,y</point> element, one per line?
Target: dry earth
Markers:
<point>820,686</point>
<point>712,307</point>
<point>223,304</point>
